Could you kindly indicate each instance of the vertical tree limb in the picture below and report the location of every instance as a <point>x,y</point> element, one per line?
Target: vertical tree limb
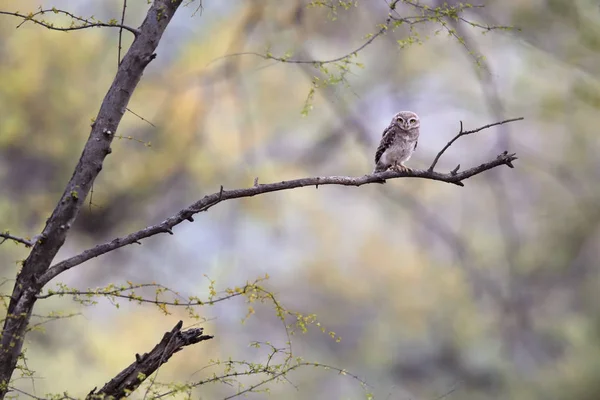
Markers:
<point>97,147</point>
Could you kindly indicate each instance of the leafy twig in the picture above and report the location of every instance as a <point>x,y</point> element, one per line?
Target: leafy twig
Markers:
<point>269,56</point>
<point>7,236</point>
<point>85,23</point>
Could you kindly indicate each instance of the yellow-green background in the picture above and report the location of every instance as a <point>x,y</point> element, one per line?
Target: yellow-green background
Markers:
<point>396,270</point>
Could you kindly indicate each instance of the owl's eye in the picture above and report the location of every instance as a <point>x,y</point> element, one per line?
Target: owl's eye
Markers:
<point>401,120</point>
<point>412,121</point>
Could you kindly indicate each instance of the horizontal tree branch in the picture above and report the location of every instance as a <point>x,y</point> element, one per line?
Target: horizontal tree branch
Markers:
<point>206,202</point>
<point>145,365</point>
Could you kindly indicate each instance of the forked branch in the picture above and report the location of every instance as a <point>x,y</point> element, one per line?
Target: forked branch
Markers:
<point>462,133</point>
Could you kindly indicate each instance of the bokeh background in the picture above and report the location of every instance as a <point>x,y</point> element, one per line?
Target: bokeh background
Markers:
<point>486,291</point>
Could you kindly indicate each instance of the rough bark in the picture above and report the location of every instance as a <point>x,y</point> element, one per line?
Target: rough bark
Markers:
<point>145,365</point>
<point>211,200</point>
<point>97,147</point>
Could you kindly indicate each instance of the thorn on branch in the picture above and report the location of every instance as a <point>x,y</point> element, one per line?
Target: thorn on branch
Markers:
<point>190,218</point>
<point>455,170</point>
<point>256,182</point>
<point>169,231</point>
<point>221,193</point>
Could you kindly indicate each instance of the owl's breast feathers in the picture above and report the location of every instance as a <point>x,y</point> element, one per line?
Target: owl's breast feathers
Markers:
<point>396,147</point>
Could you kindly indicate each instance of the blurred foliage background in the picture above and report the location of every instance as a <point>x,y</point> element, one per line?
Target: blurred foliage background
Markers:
<point>489,291</point>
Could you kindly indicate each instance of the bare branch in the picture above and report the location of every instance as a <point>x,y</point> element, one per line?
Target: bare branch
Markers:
<point>145,365</point>
<point>207,202</point>
<point>85,23</point>
<point>465,133</point>
<point>7,236</point>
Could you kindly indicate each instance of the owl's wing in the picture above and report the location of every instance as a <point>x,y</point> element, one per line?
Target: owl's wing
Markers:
<point>386,141</point>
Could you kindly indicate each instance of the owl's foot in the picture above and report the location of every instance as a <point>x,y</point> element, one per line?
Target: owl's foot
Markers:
<point>400,168</point>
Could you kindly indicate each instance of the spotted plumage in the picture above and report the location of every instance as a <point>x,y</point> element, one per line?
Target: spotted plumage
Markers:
<point>398,142</point>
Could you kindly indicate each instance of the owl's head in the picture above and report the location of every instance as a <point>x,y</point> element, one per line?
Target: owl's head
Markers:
<point>406,120</point>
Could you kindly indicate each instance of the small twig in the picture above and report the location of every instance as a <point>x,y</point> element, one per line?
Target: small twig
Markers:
<point>91,196</point>
<point>14,389</point>
<point>7,236</point>
<point>121,32</point>
<point>85,22</point>
<point>256,182</point>
<point>140,117</point>
<point>465,133</point>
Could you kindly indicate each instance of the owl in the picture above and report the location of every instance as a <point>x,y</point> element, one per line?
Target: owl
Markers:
<point>398,142</point>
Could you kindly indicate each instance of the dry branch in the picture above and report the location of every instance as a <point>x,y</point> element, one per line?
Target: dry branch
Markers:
<point>206,202</point>
<point>145,365</point>
<point>462,133</point>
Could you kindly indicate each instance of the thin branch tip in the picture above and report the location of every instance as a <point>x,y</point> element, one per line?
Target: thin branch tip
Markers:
<point>462,133</point>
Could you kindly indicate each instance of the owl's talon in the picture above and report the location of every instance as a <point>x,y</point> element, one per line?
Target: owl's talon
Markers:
<point>400,168</point>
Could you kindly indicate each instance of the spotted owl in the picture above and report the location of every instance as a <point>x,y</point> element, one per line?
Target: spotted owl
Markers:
<point>398,142</point>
